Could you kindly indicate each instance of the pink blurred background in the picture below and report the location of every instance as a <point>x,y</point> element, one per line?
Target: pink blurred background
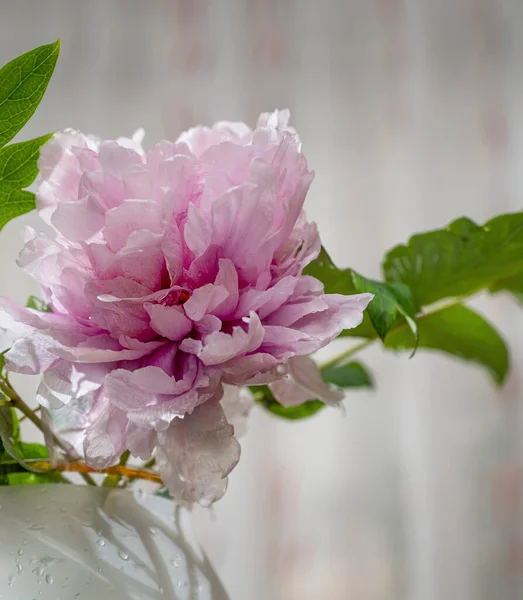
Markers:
<point>411,115</point>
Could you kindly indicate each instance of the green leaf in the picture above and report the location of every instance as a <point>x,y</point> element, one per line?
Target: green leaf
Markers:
<point>2,366</point>
<point>14,203</point>
<point>23,82</point>
<point>25,478</point>
<point>459,260</point>
<point>9,436</point>
<point>513,284</point>
<point>339,281</point>
<point>389,302</point>
<point>458,331</point>
<point>335,281</point>
<point>352,374</point>
<point>18,162</point>
<point>32,451</point>
<point>37,304</point>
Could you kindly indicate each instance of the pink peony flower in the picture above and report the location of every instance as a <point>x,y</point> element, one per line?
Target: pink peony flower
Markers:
<point>174,276</point>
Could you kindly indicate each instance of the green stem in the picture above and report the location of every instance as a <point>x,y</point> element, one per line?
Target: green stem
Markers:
<point>347,353</point>
<point>17,402</point>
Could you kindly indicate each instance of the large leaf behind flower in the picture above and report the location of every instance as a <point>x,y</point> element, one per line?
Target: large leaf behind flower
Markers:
<point>23,82</point>
<point>459,260</point>
<point>392,303</point>
<point>461,332</point>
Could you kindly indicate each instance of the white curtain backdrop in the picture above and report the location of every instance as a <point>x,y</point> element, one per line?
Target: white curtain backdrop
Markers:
<point>411,114</point>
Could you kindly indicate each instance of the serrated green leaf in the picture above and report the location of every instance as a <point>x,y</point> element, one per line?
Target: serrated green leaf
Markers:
<point>459,260</point>
<point>18,163</point>
<point>37,304</point>
<point>14,203</point>
<point>458,331</point>
<point>352,374</point>
<point>339,281</point>
<point>23,82</point>
<point>390,301</point>
<point>335,281</point>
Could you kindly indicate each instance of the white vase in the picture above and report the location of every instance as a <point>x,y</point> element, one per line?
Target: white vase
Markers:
<point>67,542</point>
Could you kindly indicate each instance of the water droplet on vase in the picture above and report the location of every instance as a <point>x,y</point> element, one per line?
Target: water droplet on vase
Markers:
<point>100,542</point>
<point>20,551</point>
<point>154,530</point>
<point>123,555</point>
<point>10,580</point>
<point>39,571</point>
<point>36,527</point>
<point>49,579</point>
<point>19,567</point>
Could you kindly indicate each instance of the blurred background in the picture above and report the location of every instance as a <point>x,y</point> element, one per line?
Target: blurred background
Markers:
<point>410,112</point>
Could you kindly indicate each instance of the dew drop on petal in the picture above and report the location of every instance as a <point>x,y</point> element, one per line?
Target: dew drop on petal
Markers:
<point>100,542</point>
<point>154,530</point>
<point>123,555</point>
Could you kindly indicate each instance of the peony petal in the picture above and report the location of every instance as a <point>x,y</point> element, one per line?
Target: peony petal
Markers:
<point>131,216</point>
<point>220,347</point>
<point>196,453</point>
<point>169,321</point>
<point>344,312</point>
<point>236,403</point>
<point>304,382</point>
<point>204,300</point>
<point>79,221</point>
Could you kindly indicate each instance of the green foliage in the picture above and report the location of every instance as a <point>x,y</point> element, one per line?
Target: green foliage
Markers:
<point>14,203</point>
<point>23,82</point>
<point>461,332</point>
<point>459,260</point>
<point>389,302</point>
<point>391,305</point>
<point>350,375</point>
<point>18,163</point>
<point>513,284</point>
<point>26,478</point>
<point>10,437</point>
<point>37,304</point>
